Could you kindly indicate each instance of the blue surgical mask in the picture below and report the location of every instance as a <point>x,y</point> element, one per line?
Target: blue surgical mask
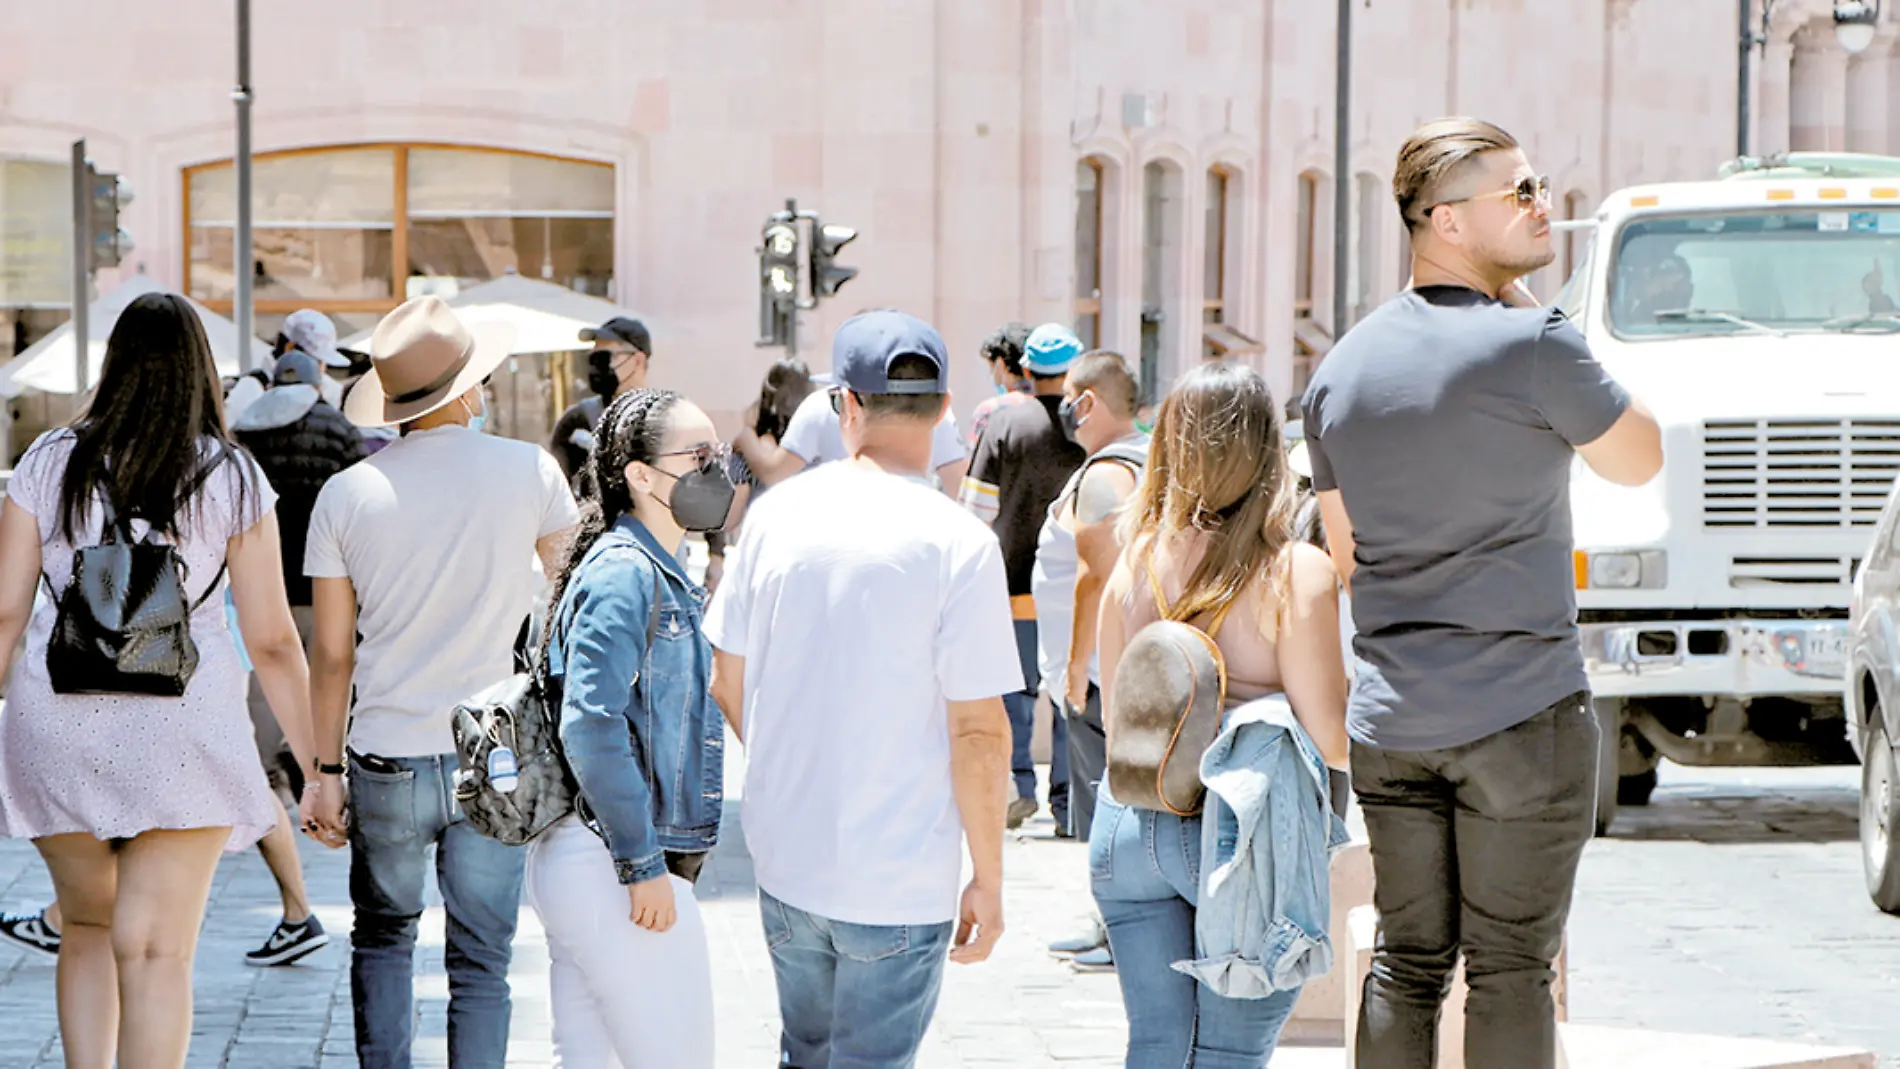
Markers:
<point>476,420</point>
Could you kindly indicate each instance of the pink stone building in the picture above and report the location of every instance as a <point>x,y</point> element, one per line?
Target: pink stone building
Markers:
<point>1144,169</point>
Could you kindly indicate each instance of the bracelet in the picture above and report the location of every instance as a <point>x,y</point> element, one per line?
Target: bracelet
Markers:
<point>326,770</point>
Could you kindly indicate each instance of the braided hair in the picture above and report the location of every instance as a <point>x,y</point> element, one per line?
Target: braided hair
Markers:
<point>633,428</point>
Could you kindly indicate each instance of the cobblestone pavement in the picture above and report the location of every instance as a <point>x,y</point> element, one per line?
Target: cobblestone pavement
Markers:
<point>1732,905</point>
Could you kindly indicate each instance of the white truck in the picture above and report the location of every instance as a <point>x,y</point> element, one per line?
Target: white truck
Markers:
<point>1758,315</point>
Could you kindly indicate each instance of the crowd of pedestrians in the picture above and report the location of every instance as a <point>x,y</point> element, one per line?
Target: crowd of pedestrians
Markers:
<point>899,601</point>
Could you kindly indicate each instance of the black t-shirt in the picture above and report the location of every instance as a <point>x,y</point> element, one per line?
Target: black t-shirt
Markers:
<point>579,417</point>
<point>1448,423</point>
<point>1024,459</point>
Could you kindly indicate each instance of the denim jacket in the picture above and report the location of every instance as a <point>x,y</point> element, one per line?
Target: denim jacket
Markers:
<point>639,727</point>
<point>1267,837</point>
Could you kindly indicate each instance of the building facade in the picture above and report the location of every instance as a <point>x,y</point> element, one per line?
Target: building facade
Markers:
<point>1157,172</point>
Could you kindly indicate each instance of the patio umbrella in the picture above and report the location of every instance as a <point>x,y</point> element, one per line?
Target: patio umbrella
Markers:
<point>547,318</point>
<point>47,365</point>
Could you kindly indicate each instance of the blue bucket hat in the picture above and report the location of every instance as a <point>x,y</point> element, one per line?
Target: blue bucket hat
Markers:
<point>1050,350</point>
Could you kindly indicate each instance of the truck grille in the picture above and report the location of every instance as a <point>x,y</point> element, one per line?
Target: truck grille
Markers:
<point>1756,573</point>
<point>1818,473</point>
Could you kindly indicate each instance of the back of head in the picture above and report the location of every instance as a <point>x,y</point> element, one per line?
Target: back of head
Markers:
<point>894,364</point>
<point>1435,158</point>
<point>296,368</point>
<point>1218,466</point>
<point>140,441</point>
<point>787,384</point>
<point>1006,344</point>
<point>920,408</point>
<point>1107,376</point>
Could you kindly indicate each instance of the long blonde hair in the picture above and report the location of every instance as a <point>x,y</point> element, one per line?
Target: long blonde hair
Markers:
<point>1217,465</point>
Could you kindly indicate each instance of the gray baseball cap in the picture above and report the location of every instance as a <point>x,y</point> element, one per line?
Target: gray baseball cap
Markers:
<point>867,345</point>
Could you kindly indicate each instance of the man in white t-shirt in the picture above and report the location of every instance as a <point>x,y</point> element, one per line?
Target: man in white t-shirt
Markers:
<point>814,437</point>
<point>427,549</point>
<point>874,727</point>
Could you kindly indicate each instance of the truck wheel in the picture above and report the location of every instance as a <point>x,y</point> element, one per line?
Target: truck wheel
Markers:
<point>1879,823</point>
<point>1635,790</point>
<point>1610,728</point>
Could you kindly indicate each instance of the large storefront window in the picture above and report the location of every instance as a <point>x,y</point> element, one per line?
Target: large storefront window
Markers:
<point>353,231</point>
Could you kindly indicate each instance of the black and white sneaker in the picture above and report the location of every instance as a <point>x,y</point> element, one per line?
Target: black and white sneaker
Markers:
<point>31,931</point>
<point>290,943</point>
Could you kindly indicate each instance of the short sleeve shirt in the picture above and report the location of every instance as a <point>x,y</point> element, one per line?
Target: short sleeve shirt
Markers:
<point>1022,461</point>
<point>1448,422</point>
<point>436,534</point>
<point>900,606</point>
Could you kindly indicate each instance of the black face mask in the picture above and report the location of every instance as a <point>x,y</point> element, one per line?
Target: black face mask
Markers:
<point>602,379</point>
<point>1065,415</point>
<point>701,499</point>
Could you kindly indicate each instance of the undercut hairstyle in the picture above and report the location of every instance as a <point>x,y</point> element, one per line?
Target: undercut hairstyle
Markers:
<point>905,406</point>
<point>1435,157</point>
<point>1006,344</point>
<point>1105,374</point>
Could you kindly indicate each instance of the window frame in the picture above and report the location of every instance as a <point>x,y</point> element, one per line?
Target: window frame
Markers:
<point>399,242</point>
<point>1091,305</point>
<point>1214,308</point>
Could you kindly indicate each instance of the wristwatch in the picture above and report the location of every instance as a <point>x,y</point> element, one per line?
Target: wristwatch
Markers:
<point>326,770</point>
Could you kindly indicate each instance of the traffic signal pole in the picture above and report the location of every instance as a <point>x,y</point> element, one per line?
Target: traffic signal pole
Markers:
<point>241,238</point>
<point>82,269</point>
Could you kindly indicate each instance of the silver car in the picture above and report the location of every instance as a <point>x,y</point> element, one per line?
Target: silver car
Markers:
<point>1872,697</point>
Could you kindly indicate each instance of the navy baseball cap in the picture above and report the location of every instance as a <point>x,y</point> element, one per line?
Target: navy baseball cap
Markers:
<point>866,346</point>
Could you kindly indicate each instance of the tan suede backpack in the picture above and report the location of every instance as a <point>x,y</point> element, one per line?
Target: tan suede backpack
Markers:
<point>1165,710</point>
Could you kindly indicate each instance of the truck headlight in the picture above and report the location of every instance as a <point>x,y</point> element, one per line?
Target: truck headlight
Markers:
<point>1645,570</point>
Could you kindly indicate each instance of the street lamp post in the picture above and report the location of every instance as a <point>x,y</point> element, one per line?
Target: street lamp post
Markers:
<point>1855,22</point>
<point>241,237</point>
<point>1342,167</point>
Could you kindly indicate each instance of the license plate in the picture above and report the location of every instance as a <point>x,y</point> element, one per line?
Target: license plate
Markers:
<point>1817,654</point>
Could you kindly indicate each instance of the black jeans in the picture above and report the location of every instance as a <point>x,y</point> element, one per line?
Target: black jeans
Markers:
<point>1088,761</point>
<point>1474,850</point>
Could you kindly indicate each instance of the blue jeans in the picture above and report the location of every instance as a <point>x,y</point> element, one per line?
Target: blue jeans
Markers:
<point>1145,869</point>
<point>852,996</point>
<point>1022,725</point>
<point>395,817</point>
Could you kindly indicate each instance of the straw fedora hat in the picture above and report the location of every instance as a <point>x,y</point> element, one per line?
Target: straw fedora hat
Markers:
<point>422,357</point>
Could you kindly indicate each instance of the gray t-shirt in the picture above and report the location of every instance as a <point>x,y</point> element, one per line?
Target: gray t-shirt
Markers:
<point>1449,422</point>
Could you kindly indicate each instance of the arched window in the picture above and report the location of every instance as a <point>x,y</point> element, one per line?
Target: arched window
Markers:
<point>354,230</point>
<point>1311,339</point>
<point>1304,251</point>
<point>1371,199</point>
<point>1090,189</point>
<point>1160,273</point>
<point>1215,249</point>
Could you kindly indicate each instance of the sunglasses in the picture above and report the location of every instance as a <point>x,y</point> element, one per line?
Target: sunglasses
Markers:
<point>1527,191</point>
<point>707,456</point>
<point>837,400</point>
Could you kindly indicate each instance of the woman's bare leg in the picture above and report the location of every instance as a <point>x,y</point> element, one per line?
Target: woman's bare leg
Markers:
<point>164,881</point>
<point>279,848</point>
<point>85,877</point>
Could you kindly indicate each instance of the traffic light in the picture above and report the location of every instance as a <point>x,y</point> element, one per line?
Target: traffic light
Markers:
<point>778,280</point>
<point>826,274</point>
<point>109,194</point>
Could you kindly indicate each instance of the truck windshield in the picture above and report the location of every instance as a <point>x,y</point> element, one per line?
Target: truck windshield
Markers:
<point>1730,272</point>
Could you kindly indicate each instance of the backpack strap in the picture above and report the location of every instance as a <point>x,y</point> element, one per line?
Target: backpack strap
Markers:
<point>1169,612</point>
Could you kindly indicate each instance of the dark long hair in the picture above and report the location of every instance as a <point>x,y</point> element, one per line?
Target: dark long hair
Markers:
<point>787,383</point>
<point>1218,464</point>
<point>141,443</point>
<point>633,428</point>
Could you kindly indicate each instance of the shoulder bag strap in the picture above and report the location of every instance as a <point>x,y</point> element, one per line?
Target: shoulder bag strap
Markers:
<point>1212,630</point>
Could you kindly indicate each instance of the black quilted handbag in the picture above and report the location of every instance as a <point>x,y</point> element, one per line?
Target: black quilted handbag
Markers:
<point>513,782</point>
<point>123,624</point>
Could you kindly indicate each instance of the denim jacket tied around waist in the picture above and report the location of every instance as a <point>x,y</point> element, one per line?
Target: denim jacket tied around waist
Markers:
<point>1268,834</point>
<point>639,728</point>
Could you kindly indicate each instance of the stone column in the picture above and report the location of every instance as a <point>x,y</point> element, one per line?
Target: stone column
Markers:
<point>1869,86</point>
<point>1772,80</point>
<point>1818,95</point>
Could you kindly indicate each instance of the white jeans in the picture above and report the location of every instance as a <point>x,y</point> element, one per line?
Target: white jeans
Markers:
<point>623,997</point>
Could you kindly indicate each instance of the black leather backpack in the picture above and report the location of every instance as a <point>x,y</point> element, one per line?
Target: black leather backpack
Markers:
<point>124,626</point>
